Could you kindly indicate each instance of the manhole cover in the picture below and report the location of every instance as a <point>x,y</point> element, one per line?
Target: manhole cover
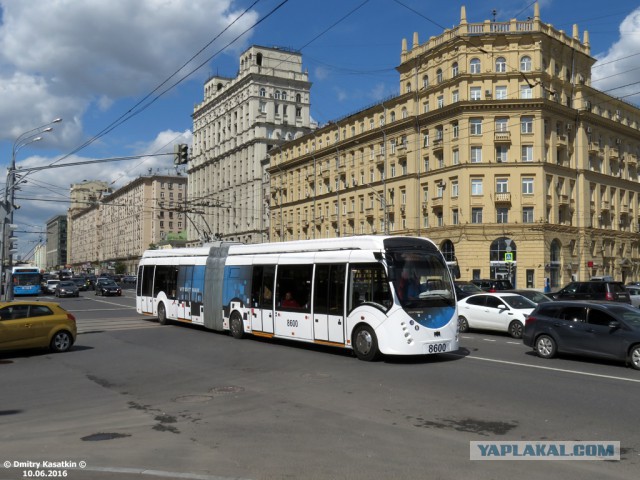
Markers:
<point>193,398</point>
<point>227,389</point>
<point>97,437</point>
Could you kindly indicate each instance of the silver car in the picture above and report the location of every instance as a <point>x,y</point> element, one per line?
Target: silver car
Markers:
<point>634,294</point>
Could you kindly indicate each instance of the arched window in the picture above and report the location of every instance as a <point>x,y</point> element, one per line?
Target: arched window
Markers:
<point>408,87</point>
<point>263,92</point>
<point>259,59</point>
<point>474,65</point>
<point>439,75</point>
<point>284,95</point>
<point>525,64</point>
<point>499,247</point>
<point>448,250</point>
<point>277,95</point>
<point>501,65</point>
<point>393,116</point>
<point>454,69</point>
<point>425,81</point>
<point>405,114</point>
<point>298,98</point>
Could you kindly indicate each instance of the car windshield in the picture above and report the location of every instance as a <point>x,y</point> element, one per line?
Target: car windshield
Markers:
<point>469,287</point>
<point>518,302</point>
<point>108,283</point>
<point>66,284</point>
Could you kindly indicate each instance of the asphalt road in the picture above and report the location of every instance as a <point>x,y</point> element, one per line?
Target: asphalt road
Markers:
<point>137,400</point>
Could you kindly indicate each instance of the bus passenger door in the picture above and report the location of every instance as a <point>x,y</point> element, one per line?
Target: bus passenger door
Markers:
<point>144,289</point>
<point>262,298</point>
<point>328,313</point>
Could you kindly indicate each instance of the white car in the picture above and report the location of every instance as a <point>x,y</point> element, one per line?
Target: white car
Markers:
<point>634,294</point>
<point>51,285</point>
<point>503,312</point>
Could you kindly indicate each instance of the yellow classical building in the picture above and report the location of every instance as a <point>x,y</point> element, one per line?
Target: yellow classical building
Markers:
<point>497,148</point>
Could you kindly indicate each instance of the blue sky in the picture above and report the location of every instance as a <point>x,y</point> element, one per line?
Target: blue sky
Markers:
<point>97,60</point>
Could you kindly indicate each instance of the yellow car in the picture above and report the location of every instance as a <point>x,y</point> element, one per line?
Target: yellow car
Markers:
<point>36,324</point>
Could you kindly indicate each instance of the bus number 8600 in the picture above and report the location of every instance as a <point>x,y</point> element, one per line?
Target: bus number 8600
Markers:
<point>292,323</point>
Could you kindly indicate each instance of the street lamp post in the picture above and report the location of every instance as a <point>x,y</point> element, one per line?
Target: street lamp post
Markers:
<point>383,204</point>
<point>8,205</point>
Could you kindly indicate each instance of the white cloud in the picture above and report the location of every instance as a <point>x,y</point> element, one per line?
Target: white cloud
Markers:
<point>321,73</point>
<point>61,57</point>
<point>378,92</point>
<point>618,67</point>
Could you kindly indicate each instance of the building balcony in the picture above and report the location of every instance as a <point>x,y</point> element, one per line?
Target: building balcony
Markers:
<point>563,199</point>
<point>351,216</point>
<point>594,147</point>
<point>311,177</point>
<point>632,159</point>
<point>502,137</point>
<point>334,218</point>
<point>380,158</point>
<point>368,212</point>
<point>624,208</point>
<point>342,168</point>
<point>438,144</point>
<point>614,153</point>
<point>436,202</point>
<point>605,205</point>
<point>503,197</point>
<point>325,174</point>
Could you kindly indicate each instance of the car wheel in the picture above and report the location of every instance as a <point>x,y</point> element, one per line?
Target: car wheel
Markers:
<point>545,346</point>
<point>162,314</point>
<point>634,357</point>
<point>365,344</point>
<point>61,342</point>
<point>463,324</point>
<point>235,326</point>
<point>515,329</point>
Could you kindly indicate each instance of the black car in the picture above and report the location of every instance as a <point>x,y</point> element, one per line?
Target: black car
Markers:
<point>599,329</point>
<point>533,295</point>
<point>492,284</point>
<point>66,288</point>
<point>108,288</point>
<point>464,289</point>
<point>593,290</point>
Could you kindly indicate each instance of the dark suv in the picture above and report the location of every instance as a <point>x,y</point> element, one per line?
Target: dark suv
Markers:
<point>598,329</point>
<point>596,290</point>
<point>492,285</point>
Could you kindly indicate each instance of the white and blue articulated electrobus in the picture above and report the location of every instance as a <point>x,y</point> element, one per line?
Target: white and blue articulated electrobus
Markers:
<point>372,294</point>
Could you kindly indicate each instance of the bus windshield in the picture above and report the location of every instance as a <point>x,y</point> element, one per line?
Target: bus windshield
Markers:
<point>24,279</point>
<point>421,279</point>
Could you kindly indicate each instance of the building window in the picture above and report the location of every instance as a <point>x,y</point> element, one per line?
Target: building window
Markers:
<point>277,95</point>
<point>425,81</point>
<point>439,76</point>
<point>476,215</point>
<point>426,164</point>
<point>455,157</point>
<point>474,65</point>
<point>476,154</point>
<point>525,64</point>
<point>527,186</point>
<point>263,92</point>
<point>425,140</point>
<point>392,116</point>
<point>527,153</point>
<point>502,215</point>
<point>298,112</point>
<point>501,65</point>
<point>455,96</point>
<point>475,126</point>
<point>454,189</point>
<point>501,92</point>
<point>476,186</point>
<point>527,214</point>
<point>455,217</point>
<point>440,101</point>
<point>501,153</point>
<point>455,129</point>
<point>502,185</point>
<point>526,125</point>
<point>526,91</point>
<point>454,69</point>
<point>502,124</point>
<point>476,93</point>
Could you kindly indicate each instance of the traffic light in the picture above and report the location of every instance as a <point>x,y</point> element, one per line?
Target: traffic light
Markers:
<point>180,154</point>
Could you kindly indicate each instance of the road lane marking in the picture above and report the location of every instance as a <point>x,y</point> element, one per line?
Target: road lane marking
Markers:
<point>562,370</point>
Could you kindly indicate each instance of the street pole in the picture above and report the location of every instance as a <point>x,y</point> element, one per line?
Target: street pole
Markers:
<point>8,205</point>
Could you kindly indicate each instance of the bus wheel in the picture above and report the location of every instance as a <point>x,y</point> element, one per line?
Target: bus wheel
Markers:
<point>236,326</point>
<point>365,344</point>
<point>162,314</point>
